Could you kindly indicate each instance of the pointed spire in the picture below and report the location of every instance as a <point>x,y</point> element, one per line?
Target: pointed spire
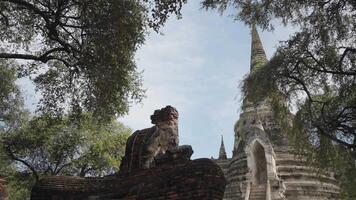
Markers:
<point>258,54</point>
<point>222,152</point>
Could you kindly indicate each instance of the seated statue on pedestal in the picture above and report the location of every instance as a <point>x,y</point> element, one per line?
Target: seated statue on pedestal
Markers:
<point>149,147</point>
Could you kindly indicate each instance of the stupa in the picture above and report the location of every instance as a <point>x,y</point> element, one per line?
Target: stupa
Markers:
<point>263,166</point>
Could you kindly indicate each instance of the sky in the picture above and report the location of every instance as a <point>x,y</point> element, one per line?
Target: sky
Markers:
<point>196,65</point>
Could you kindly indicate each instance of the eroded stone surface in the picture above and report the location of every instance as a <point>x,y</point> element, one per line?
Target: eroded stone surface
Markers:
<point>144,145</point>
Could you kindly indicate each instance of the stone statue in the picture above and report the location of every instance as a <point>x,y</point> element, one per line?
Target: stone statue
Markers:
<point>149,147</point>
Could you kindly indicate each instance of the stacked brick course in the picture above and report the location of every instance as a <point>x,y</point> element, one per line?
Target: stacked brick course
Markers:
<point>197,179</point>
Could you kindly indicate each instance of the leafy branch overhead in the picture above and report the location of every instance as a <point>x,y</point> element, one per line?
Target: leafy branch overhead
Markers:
<point>80,56</point>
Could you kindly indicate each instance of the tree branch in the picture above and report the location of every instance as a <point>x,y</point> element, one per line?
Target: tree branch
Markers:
<point>20,56</point>
<point>333,138</point>
<point>62,167</point>
<point>43,58</point>
<point>13,157</point>
<point>324,70</point>
<point>347,49</point>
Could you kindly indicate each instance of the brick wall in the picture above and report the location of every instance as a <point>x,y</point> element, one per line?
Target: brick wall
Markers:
<point>183,180</point>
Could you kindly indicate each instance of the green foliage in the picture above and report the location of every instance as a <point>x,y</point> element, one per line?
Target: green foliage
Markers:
<point>35,146</point>
<point>60,146</point>
<point>11,102</point>
<point>253,82</point>
<point>47,146</point>
<point>12,115</point>
<point>331,15</point>
<point>7,88</point>
<point>348,178</point>
<point>102,149</point>
<point>80,54</point>
<point>19,186</point>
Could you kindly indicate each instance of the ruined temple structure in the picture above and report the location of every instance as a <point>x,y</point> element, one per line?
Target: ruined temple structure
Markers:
<point>263,166</point>
<point>154,167</point>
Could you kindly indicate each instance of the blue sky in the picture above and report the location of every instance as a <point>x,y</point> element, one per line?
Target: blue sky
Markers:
<point>196,65</point>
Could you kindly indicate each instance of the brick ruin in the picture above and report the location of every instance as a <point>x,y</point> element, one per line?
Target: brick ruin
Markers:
<point>154,167</point>
<point>3,193</point>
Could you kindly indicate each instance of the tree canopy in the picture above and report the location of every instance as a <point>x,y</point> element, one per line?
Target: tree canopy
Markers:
<point>10,96</point>
<point>47,146</point>
<point>80,57</point>
<point>32,145</point>
<point>80,54</point>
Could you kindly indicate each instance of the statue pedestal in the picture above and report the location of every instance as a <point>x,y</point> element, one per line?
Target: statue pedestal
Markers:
<point>182,180</point>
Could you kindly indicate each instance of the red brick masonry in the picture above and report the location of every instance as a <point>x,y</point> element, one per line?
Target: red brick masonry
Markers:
<point>3,193</point>
<point>180,179</point>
